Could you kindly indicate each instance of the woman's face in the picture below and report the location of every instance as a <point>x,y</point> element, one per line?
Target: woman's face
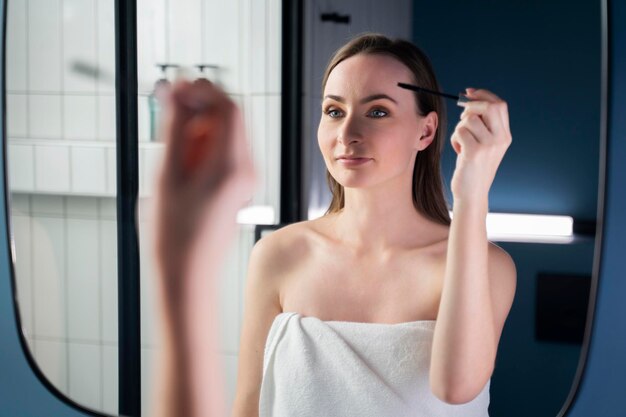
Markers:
<point>370,130</point>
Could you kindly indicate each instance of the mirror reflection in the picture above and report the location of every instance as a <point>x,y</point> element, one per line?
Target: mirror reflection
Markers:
<point>61,151</point>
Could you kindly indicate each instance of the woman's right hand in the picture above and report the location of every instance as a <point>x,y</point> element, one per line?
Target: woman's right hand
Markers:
<point>206,175</point>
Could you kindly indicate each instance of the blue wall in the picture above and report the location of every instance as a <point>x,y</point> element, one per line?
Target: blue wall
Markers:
<point>544,59</point>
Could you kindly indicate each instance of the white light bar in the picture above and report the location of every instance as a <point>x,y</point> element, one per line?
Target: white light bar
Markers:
<point>256,215</point>
<point>530,224</point>
<point>538,228</point>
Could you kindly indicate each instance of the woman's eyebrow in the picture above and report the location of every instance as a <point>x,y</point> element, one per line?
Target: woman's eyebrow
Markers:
<point>363,101</point>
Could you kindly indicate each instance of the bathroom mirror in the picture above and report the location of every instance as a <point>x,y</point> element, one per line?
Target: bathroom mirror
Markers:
<point>544,59</point>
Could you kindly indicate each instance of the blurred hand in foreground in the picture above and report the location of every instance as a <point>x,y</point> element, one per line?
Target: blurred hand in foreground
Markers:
<point>206,177</point>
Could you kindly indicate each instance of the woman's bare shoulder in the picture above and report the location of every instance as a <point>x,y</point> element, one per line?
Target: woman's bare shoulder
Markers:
<point>503,280</point>
<point>282,249</point>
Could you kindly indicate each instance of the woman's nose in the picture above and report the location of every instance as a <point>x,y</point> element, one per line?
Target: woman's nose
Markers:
<point>349,132</point>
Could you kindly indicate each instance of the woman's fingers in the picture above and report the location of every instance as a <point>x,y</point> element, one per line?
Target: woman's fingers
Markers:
<point>477,127</point>
<point>502,105</point>
<point>483,121</point>
<point>489,105</point>
<point>464,141</point>
<point>488,113</point>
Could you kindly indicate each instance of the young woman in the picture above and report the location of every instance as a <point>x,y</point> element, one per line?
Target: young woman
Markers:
<point>383,306</point>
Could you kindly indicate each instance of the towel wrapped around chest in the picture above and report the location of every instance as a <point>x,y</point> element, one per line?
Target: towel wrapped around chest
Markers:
<point>333,368</point>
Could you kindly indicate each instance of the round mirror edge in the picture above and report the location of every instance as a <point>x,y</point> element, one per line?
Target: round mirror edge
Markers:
<point>568,405</point>
<point>4,187</point>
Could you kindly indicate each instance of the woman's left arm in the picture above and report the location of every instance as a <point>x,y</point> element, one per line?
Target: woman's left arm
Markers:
<point>480,278</point>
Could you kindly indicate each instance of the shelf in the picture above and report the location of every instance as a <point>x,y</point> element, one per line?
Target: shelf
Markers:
<point>82,168</point>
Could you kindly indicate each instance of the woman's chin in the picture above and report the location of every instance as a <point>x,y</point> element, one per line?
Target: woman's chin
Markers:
<point>354,182</point>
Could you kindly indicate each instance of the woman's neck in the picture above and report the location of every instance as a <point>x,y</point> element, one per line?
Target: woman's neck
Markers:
<point>382,219</point>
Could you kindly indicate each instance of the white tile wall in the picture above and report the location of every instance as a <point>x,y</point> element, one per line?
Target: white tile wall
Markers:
<point>17,48</point>
<point>79,44</point>
<point>88,169</point>
<point>83,279</point>
<point>51,356</point>
<point>17,114</point>
<point>246,235</point>
<point>273,153</point>
<point>108,274</point>
<point>148,359</point>
<point>184,18</point>
<point>109,380</point>
<point>258,47</point>
<point>45,46</point>
<point>105,45</point>
<point>259,141</point>
<point>143,119</point>
<point>21,233</point>
<point>85,374</point>
<point>21,167</point>
<point>108,208</point>
<point>274,46</point>
<point>105,128</point>
<point>152,33</point>
<point>111,171</point>
<point>20,204</point>
<point>63,246</point>
<point>149,325</point>
<point>44,116</point>
<point>79,117</point>
<point>81,207</point>
<point>245,244</point>
<point>224,28</point>
<point>48,205</point>
<point>52,172</point>
<point>49,272</point>
<point>245,45</point>
<point>230,374</point>
<point>229,302</point>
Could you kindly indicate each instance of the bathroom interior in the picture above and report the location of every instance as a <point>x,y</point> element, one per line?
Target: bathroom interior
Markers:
<point>544,58</point>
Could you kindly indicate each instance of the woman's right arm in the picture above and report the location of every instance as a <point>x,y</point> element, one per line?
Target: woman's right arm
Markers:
<point>261,306</point>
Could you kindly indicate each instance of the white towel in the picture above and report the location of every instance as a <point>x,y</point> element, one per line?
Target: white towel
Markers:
<point>333,368</point>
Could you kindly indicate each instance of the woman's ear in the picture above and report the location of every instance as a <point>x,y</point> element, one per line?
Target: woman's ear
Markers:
<point>428,130</point>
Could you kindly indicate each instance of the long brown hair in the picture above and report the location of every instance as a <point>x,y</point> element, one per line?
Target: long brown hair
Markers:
<point>427,190</point>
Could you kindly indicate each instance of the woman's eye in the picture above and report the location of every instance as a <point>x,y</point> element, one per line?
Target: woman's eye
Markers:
<point>333,113</point>
<point>378,113</point>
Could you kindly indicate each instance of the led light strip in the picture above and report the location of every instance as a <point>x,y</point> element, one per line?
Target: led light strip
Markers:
<point>256,215</point>
<point>538,228</point>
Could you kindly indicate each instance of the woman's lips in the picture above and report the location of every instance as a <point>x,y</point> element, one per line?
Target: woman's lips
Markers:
<point>353,161</point>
